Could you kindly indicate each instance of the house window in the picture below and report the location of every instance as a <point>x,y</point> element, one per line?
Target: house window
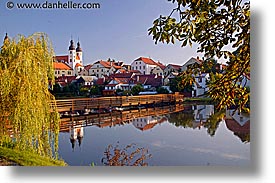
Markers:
<point>101,70</point>
<point>69,73</point>
<point>71,52</point>
<point>71,60</point>
<point>144,67</point>
<point>58,72</point>
<point>140,67</point>
<point>136,68</point>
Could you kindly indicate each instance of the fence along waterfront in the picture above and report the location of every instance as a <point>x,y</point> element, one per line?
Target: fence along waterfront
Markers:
<point>116,101</point>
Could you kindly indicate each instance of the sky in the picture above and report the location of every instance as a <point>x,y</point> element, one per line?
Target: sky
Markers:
<point>117,30</point>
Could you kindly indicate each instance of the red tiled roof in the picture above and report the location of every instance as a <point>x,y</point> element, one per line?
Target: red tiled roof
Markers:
<point>88,67</point>
<point>100,81</point>
<point>122,71</point>
<point>243,132</point>
<point>64,80</point>
<point>234,126</point>
<point>151,62</point>
<point>161,65</point>
<point>147,127</point>
<point>177,67</point>
<point>104,64</point>
<point>148,79</point>
<point>121,75</point>
<point>147,60</point>
<point>78,65</point>
<point>61,58</point>
<point>61,66</point>
<point>108,64</point>
<point>111,84</point>
<point>122,80</point>
<point>134,71</point>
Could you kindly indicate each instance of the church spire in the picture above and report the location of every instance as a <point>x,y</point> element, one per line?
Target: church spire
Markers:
<point>78,49</point>
<point>72,47</point>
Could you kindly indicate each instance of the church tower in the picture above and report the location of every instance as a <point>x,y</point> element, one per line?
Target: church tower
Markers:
<point>72,55</point>
<point>79,54</point>
<point>75,58</point>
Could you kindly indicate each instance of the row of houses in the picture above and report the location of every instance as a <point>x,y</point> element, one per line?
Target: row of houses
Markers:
<point>72,65</point>
<point>114,75</point>
<point>118,75</point>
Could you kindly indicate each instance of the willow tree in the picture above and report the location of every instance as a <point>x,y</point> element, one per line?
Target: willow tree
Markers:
<point>220,28</point>
<point>28,118</point>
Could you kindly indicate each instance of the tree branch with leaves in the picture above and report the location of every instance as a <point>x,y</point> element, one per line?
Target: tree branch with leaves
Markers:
<point>221,29</point>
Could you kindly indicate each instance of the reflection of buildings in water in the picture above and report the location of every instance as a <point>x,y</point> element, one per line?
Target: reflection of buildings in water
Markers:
<point>77,133</point>
<point>240,118</point>
<point>197,124</point>
<point>202,112</point>
<point>239,124</point>
<point>148,122</point>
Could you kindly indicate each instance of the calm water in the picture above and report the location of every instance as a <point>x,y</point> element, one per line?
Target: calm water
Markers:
<point>194,135</point>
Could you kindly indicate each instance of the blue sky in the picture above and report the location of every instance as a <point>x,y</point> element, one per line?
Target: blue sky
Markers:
<point>117,30</point>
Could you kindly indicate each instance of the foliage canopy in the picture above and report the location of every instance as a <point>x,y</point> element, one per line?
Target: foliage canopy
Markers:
<point>221,28</point>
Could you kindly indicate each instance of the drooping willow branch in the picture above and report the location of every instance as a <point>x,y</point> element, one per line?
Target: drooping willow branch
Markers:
<point>28,119</point>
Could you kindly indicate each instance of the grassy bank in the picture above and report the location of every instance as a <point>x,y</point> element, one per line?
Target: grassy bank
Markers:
<point>187,100</point>
<point>25,158</point>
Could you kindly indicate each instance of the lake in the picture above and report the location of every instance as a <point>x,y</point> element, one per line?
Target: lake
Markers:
<point>190,135</point>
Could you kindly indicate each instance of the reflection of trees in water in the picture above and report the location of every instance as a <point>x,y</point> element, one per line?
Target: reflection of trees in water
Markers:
<point>131,155</point>
<point>185,119</point>
<point>244,137</point>
<point>213,122</point>
<point>182,119</point>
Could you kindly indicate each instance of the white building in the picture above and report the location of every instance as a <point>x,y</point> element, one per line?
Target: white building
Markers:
<point>146,123</point>
<point>104,68</point>
<point>145,65</point>
<point>200,86</point>
<point>202,112</point>
<point>158,70</point>
<point>74,59</point>
<point>172,68</point>
<point>190,62</point>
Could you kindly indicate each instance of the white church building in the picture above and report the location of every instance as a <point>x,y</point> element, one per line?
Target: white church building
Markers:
<point>74,59</point>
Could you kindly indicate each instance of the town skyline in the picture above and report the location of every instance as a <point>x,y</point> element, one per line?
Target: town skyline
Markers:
<point>103,33</point>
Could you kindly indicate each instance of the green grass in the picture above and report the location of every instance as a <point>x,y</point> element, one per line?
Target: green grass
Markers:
<point>25,158</point>
<point>198,99</point>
